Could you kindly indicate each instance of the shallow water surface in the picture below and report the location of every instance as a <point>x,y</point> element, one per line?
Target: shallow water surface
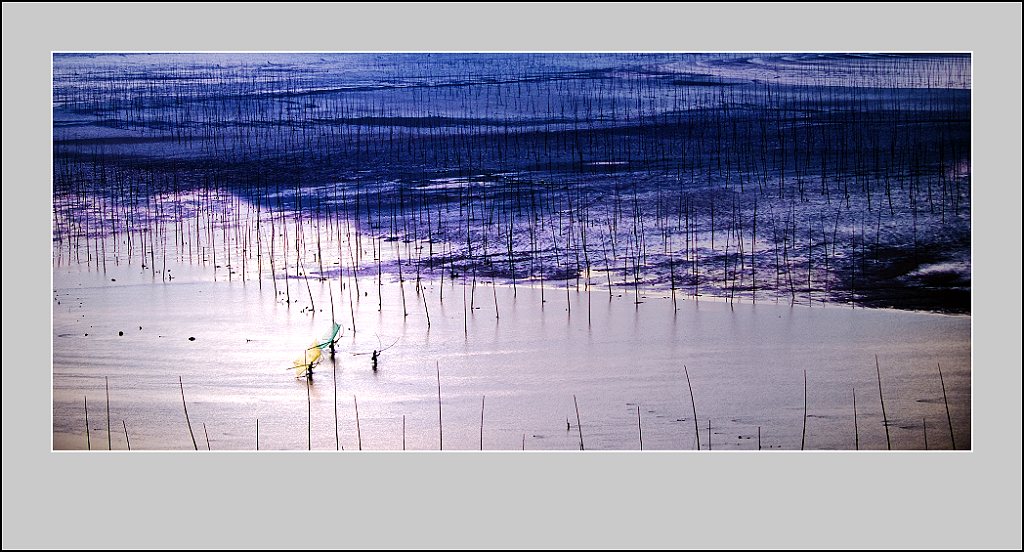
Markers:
<point>529,358</point>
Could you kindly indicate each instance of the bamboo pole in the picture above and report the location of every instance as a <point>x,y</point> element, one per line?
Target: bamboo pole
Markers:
<point>579,426</point>
<point>696,430</point>
<point>803,433</point>
<point>359,433</point>
<point>88,438</point>
<point>440,425</point>
<point>106,389</point>
<point>309,416</point>
<point>185,407</point>
<point>482,400</point>
<point>856,430</point>
<point>639,427</point>
<point>334,375</point>
<point>949,419</point>
<point>885,419</point>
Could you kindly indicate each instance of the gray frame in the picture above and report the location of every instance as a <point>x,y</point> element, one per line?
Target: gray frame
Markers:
<point>508,499</point>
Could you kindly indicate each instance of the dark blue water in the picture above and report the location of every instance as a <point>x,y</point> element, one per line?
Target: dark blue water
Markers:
<point>791,177</point>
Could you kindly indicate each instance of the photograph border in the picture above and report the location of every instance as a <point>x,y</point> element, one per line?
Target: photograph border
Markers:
<point>966,499</point>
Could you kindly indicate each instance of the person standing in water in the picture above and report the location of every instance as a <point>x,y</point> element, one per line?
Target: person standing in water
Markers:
<point>373,359</point>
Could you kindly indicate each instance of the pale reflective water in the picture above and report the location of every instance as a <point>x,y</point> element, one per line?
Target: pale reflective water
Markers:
<point>745,362</point>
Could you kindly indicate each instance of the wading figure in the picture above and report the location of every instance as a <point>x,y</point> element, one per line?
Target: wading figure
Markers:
<point>330,338</point>
<point>375,354</point>
<point>303,365</point>
<point>308,368</point>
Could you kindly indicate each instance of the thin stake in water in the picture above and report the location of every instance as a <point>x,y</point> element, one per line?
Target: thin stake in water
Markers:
<point>334,375</point>
<point>359,433</point>
<point>126,439</point>
<point>482,400</point>
<point>440,425</point>
<point>949,419</point>
<point>579,426</point>
<point>106,389</point>
<point>185,407</point>
<point>803,433</point>
<point>856,431</point>
<point>639,427</point>
<point>885,420</point>
<point>696,430</point>
<point>88,439</point>
<point>309,418</point>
